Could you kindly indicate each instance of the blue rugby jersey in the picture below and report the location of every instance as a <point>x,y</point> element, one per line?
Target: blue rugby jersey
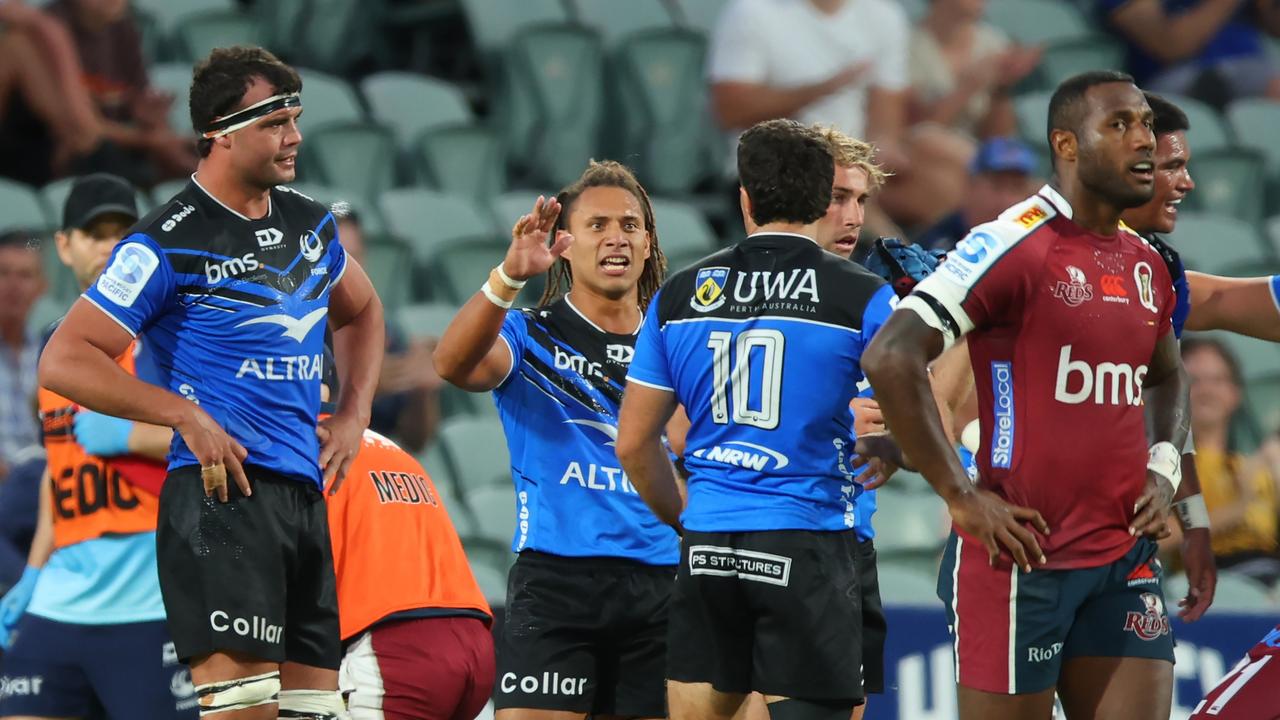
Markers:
<point>559,410</point>
<point>761,343</point>
<point>233,311</point>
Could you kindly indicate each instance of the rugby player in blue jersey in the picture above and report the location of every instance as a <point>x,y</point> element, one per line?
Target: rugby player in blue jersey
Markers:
<point>767,597</point>
<point>585,626</point>
<point>232,283</point>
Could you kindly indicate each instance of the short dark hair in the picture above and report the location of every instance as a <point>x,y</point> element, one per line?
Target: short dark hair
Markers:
<point>1166,116</point>
<point>221,80</point>
<point>1066,107</point>
<point>787,170</point>
<point>19,239</point>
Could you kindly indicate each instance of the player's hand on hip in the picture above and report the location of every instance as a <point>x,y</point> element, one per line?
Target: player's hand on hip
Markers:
<point>1153,508</point>
<point>1202,574</point>
<point>340,438</point>
<point>529,254</point>
<point>219,455</point>
<point>867,418</point>
<point>995,523</point>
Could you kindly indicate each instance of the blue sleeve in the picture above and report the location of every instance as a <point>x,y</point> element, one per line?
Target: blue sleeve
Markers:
<point>514,332</point>
<point>875,315</point>
<point>336,259</point>
<point>1181,291</point>
<point>650,366</point>
<point>137,286</point>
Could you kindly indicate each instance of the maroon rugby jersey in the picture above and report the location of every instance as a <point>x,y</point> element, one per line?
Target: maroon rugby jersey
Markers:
<point>1061,324</point>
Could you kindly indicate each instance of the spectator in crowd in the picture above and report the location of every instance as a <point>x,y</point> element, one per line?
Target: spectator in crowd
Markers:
<point>21,284</point>
<point>139,145</point>
<point>407,404</point>
<point>1239,494</point>
<point>19,506</point>
<point>1001,175</point>
<point>841,63</point>
<point>1213,50</point>
<point>41,96</point>
<point>962,70</point>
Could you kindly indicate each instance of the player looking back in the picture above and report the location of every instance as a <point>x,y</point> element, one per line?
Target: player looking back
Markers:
<point>767,598</point>
<point>585,630</point>
<point>1069,322</point>
<point>231,282</point>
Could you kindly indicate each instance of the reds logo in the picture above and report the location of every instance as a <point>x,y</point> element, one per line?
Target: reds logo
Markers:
<point>1075,292</point>
<point>1152,622</point>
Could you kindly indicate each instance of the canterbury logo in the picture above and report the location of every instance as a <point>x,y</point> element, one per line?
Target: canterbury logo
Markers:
<point>1113,285</point>
<point>295,328</point>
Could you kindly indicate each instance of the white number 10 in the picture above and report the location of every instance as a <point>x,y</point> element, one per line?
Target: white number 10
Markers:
<point>771,344</point>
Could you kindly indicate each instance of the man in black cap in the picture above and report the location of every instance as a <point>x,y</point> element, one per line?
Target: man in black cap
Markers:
<point>85,626</point>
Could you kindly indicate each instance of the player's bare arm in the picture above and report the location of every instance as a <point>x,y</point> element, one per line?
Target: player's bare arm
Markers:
<point>78,363</point>
<point>359,339</point>
<point>1197,553</point>
<point>469,354</point>
<point>644,413</point>
<point>1166,392</point>
<point>1239,305</point>
<point>896,362</point>
<point>952,378</point>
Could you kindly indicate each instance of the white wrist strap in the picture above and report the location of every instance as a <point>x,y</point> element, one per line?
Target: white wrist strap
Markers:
<point>1192,512</point>
<point>488,293</point>
<point>1164,460</point>
<point>506,279</point>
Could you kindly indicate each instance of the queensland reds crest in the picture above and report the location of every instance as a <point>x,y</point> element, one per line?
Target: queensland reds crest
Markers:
<point>1152,622</point>
<point>1075,292</point>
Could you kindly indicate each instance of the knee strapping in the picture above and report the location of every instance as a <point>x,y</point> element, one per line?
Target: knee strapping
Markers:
<point>312,705</point>
<point>793,709</point>
<point>238,694</point>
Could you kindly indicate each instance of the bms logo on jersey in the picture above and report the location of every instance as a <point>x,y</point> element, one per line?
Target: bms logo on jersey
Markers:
<point>1103,383</point>
<point>216,272</point>
<point>708,289</point>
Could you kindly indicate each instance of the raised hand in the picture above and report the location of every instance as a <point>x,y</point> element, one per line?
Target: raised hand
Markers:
<point>529,254</point>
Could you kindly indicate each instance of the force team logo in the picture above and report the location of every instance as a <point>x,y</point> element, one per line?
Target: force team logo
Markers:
<point>1152,622</point>
<point>1079,290</point>
<point>708,289</point>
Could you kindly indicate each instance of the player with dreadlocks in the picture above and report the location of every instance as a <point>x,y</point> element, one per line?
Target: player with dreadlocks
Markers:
<point>585,631</point>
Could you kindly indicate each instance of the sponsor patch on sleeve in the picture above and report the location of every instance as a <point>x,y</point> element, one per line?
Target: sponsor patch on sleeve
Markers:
<point>123,280</point>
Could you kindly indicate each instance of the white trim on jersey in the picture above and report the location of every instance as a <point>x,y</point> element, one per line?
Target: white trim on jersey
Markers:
<point>224,205</point>
<point>599,329</point>
<point>754,318</point>
<point>511,352</point>
<point>762,233</point>
<point>94,303</point>
<point>1013,630</point>
<point>655,386</point>
<point>955,602</point>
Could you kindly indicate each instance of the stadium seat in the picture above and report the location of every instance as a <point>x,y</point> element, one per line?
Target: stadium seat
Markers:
<point>356,158</point>
<point>616,20</point>
<point>456,269</point>
<point>513,204</point>
<point>909,523</point>
<point>682,230</point>
<point>427,219</point>
<point>492,582</point>
<point>170,13</point>
<point>1252,122</point>
<point>906,586</point>
<point>495,23</point>
<point>462,160</point>
<point>175,78</point>
<point>1262,394</point>
<point>495,511</point>
<point>388,264</point>
<point>1069,57</point>
<point>48,309</point>
<point>1229,181</point>
<point>426,319</point>
<point>1032,111</point>
<point>411,104</point>
<point>477,455</point>
<point>1258,358</point>
<point>1208,127</point>
<point>336,34</point>
<point>281,21</point>
<point>20,207</point>
<point>327,99</point>
<point>661,113</point>
<point>1213,243</point>
<point>563,67</point>
<point>198,34</point>
<point>700,15</point>
<point>1035,22</point>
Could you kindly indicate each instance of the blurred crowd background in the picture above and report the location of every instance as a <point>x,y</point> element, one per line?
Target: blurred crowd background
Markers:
<point>431,125</point>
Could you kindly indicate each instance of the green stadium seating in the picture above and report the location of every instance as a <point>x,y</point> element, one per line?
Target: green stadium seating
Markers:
<point>495,23</point>
<point>426,319</point>
<point>616,20</point>
<point>20,207</point>
<point>700,15</point>
<point>513,204</point>
<point>492,581</point>
<point>170,13</point>
<point>427,219</point>
<point>175,78</point>
<point>282,22</point>
<point>682,230</point>
<point>909,522</point>
<point>327,99</point>
<point>660,98</point>
<point>677,261</point>
<point>356,158</point>
<point>1228,182</point>
<point>389,264</point>
<point>410,104</point>
<point>1032,111</point>
<point>1258,358</point>
<point>1213,243</point>
<point>906,585</point>
<point>477,455</point>
<point>494,508</point>
<point>48,310</point>
<point>457,268</point>
<point>198,34</point>
<point>462,160</point>
<point>1033,22</point>
<point>1208,127</point>
<point>1252,122</point>
<point>1069,57</point>
<point>336,34</point>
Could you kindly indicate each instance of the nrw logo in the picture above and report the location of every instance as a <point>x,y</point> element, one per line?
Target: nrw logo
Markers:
<point>1075,292</point>
<point>1103,383</point>
<point>216,272</point>
<point>268,238</point>
<point>755,457</point>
